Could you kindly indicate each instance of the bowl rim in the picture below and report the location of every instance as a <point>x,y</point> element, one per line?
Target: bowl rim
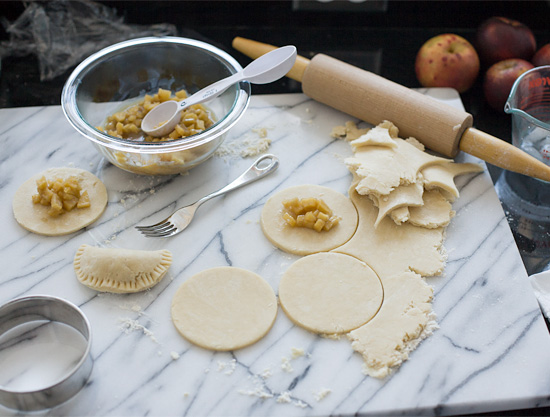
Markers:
<point>72,113</point>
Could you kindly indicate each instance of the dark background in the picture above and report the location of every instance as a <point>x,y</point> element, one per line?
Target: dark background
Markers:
<point>379,36</point>
<point>376,35</point>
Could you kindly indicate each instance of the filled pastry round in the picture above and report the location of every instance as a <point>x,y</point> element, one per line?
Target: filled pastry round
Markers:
<point>305,241</point>
<point>35,218</point>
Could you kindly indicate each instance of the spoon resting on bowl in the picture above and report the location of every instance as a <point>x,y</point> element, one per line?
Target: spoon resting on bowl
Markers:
<point>162,120</point>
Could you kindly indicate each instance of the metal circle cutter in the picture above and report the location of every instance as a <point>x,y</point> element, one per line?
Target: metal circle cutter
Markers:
<point>47,308</point>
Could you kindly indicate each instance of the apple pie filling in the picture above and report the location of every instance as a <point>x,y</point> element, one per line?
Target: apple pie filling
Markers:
<point>60,195</point>
<point>311,213</point>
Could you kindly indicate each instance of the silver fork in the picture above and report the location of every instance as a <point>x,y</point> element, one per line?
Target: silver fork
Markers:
<point>181,218</point>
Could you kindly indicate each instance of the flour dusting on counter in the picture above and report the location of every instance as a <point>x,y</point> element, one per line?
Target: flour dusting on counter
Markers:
<point>249,146</point>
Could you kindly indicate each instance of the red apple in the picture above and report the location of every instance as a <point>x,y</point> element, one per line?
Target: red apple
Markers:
<point>447,60</point>
<point>542,56</point>
<point>500,78</point>
<point>500,38</point>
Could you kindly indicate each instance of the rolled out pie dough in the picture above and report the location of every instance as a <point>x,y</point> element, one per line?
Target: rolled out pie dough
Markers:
<point>377,136</point>
<point>442,176</point>
<point>35,217</point>
<point>435,212</point>
<point>348,132</point>
<point>410,195</point>
<point>224,308</point>
<point>381,169</point>
<point>404,319</point>
<point>390,248</point>
<point>395,177</point>
<point>402,196</point>
<point>300,240</point>
<point>330,293</point>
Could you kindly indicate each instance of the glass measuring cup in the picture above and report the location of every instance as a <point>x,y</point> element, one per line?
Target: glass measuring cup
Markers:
<point>526,200</point>
<point>529,105</point>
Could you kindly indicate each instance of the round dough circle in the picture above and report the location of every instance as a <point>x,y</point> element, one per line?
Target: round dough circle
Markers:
<point>35,218</point>
<point>301,240</point>
<point>224,308</point>
<point>330,293</point>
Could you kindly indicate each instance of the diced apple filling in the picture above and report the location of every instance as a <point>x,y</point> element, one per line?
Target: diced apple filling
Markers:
<point>311,213</point>
<point>60,195</point>
<point>126,124</point>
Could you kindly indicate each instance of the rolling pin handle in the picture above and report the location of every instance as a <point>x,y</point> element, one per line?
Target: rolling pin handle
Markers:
<point>502,154</point>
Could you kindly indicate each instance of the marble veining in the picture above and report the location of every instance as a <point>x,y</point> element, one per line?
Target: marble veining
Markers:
<point>491,351</point>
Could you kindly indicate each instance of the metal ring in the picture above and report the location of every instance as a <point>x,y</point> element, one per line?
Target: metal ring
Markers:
<point>41,308</point>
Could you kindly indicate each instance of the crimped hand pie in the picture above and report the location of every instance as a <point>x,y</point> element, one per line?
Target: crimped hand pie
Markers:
<point>120,270</point>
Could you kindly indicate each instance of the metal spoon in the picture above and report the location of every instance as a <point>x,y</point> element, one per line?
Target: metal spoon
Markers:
<point>268,68</point>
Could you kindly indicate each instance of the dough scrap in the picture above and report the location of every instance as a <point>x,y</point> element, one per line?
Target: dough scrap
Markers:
<point>435,212</point>
<point>120,270</point>
<point>377,136</point>
<point>381,169</point>
<point>409,195</point>
<point>404,319</point>
<point>416,143</point>
<point>442,176</point>
<point>390,249</point>
<point>400,215</point>
<point>330,293</point>
<point>224,308</point>
<point>348,132</point>
<point>396,181</point>
<point>304,241</point>
<point>35,217</point>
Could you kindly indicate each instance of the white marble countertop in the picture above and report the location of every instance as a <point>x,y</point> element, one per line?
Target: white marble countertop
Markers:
<point>491,352</point>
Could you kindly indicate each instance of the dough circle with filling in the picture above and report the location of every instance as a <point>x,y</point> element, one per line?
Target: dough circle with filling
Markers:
<point>330,293</point>
<point>35,217</point>
<point>224,308</point>
<point>301,240</point>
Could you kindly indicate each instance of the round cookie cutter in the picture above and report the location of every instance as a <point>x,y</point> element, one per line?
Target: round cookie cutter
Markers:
<point>47,308</point>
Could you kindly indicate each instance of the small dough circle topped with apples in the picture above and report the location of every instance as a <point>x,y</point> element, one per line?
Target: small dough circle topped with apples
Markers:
<point>304,240</point>
<point>38,218</point>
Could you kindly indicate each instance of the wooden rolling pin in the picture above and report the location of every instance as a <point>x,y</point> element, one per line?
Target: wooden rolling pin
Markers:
<point>369,97</point>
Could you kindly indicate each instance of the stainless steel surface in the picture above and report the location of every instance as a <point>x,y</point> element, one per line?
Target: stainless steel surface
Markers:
<point>178,221</point>
<point>46,308</point>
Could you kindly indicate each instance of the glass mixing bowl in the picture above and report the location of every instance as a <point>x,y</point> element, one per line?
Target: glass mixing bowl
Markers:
<point>117,76</point>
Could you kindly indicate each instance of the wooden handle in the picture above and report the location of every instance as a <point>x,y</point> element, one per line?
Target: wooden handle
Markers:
<point>255,49</point>
<point>502,154</point>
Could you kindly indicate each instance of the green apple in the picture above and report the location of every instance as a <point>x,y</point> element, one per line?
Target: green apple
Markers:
<point>447,60</point>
